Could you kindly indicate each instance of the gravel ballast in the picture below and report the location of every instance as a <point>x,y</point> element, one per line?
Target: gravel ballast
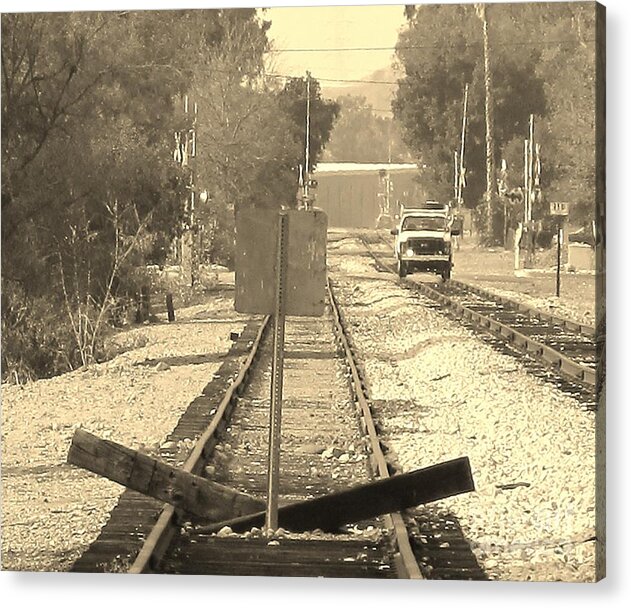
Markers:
<point>440,393</point>
<point>53,511</point>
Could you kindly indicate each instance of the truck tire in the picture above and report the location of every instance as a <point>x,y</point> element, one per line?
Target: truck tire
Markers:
<point>401,269</point>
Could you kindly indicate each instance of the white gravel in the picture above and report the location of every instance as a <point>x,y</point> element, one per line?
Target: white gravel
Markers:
<point>52,511</point>
<point>468,399</point>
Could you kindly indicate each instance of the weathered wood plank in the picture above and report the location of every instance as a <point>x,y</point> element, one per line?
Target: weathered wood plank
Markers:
<point>210,501</point>
<point>191,493</point>
<point>366,501</point>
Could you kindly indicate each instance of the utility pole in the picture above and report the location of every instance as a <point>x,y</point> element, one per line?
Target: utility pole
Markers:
<point>195,232</point>
<point>532,186</point>
<point>456,178</point>
<point>488,111</point>
<point>502,190</point>
<point>307,137</point>
<point>532,155</point>
<point>526,180</point>
<point>530,168</point>
<point>185,155</point>
<point>460,167</point>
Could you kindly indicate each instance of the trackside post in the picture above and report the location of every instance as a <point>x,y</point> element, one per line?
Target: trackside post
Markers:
<point>273,467</point>
<point>280,269</point>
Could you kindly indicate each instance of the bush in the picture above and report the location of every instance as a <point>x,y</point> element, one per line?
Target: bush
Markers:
<point>37,339</point>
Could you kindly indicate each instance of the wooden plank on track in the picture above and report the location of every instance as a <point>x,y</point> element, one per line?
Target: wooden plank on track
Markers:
<point>141,472</point>
<point>366,501</point>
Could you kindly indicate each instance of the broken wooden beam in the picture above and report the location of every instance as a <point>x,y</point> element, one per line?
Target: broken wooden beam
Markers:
<point>365,501</point>
<point>137,471</point>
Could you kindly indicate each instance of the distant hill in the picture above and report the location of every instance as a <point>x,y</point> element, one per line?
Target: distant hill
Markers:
<point>378,96</point>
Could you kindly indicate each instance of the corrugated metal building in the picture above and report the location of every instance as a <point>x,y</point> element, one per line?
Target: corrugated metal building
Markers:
<point>352,194</point>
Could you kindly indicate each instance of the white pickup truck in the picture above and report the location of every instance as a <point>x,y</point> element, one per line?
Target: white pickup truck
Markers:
<point>423,240</point>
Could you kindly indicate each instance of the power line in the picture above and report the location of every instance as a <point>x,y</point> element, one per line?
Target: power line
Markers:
<point>358,81</point>
<point>350,80</point>
<point>422,46</point>
<point>291,76</point>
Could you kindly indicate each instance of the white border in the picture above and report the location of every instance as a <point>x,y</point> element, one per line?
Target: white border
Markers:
<point>67,590</point>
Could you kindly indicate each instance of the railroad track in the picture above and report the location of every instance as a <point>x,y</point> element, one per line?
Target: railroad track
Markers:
<point>564,350</point>
<point>329,443</point>
<point>573,341</point>
<point>139,526</point>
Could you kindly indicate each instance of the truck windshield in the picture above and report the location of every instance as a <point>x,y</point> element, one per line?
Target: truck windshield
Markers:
<point>423,223</point>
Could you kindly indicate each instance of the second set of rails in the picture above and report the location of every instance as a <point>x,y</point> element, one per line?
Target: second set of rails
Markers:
<point>554,348</point>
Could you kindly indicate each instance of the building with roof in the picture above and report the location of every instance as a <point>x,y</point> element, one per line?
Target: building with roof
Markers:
<point>363,195</point>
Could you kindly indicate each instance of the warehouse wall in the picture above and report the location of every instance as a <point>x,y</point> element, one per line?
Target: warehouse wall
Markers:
<point>351,199</point>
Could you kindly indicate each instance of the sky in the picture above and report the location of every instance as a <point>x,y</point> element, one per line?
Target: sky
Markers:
<point>333,27</point>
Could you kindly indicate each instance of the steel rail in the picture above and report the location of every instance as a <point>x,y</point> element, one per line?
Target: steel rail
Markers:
<point>525,343</point>
<point>162,533</point>
<point>407,565</point>
<point>582,328</point>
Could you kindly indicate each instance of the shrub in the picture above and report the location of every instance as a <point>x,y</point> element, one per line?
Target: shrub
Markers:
<point>37,339</point>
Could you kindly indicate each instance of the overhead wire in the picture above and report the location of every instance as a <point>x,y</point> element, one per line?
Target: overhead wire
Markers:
<point>412,47</point>
<point>349,80</point>
<point>404,47</point>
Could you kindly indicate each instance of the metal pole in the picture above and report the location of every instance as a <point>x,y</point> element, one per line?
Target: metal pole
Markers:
<point>525,182</point>
<point>194,222</point>
<point>271,516</point>
<point>559,232</point>
<point>456,178</point>
<point>531,154</point>
<point>306,184</point>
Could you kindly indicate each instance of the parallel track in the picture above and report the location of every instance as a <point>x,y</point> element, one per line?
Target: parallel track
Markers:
<point>565,351</point>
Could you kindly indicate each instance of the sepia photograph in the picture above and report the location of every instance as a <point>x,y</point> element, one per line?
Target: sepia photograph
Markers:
<point>305,291</point>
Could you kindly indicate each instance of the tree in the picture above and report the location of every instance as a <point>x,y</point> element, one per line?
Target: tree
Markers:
<point>543,63</point>
<point>569,130</point>
<point>90,190</point>
<point>360,135</point>
<point>247,149</point>
<point>441,51</point>
<point>293,101</point>
<point>489,118</point>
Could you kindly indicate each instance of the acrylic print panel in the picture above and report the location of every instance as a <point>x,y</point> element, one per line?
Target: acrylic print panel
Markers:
<point>444,418</point>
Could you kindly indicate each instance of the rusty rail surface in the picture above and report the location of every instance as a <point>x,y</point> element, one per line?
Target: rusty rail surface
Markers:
<point>582,328</point>
<point>161,535</point>
<point>158,540</point>
<point>407,565</point>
